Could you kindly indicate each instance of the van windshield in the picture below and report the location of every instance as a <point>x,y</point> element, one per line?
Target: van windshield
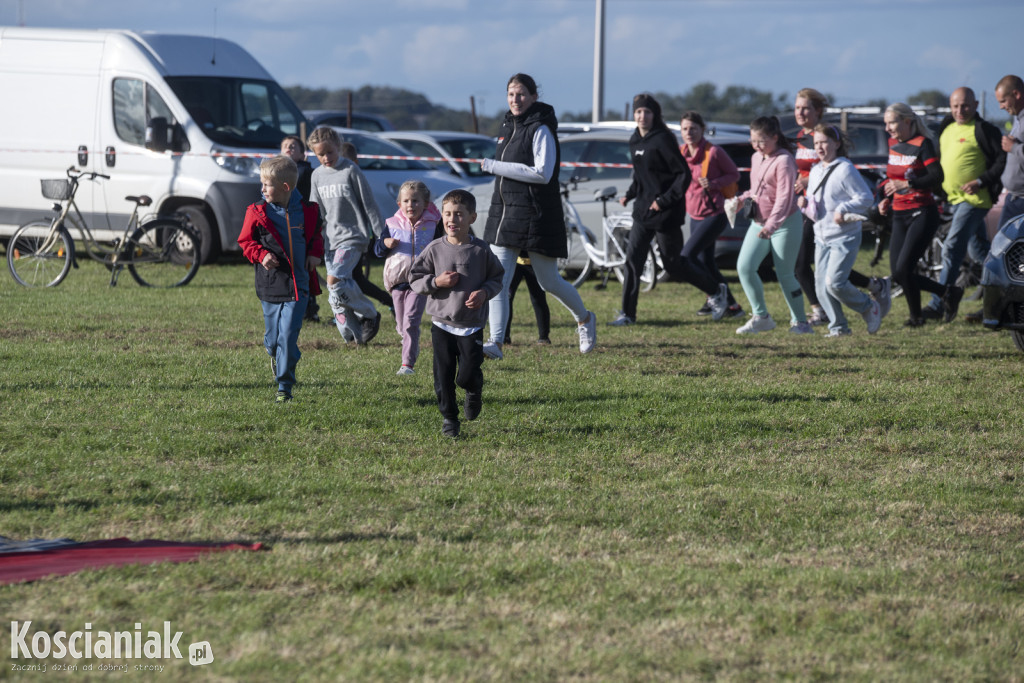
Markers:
<point>239,112</point>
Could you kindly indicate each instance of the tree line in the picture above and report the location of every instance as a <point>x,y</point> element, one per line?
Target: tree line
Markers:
<point>411,110</point>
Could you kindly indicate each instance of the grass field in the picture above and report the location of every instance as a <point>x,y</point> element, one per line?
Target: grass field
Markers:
<point>681,504</point>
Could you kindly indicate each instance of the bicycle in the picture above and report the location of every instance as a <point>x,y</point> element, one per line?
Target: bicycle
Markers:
<point>610,257</point>
<point>158,252</point>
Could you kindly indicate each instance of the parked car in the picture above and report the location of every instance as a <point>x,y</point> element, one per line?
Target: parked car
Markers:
<point>386,175</point>
<point>1003,282</point>
<point>611,145</point>
<point>450,145</point>
<point>339,119</point>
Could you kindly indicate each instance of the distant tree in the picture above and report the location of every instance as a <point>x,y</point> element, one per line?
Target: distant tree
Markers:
<point>929,98</point>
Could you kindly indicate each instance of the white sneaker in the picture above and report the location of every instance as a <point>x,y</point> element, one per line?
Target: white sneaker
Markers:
<point>719,302</point>
<point>405,370</point>
<point>881,290</point>
<point>873,317</point>
<point>757,324</point>
<point>588,333</point>
<point>492,350</point>
<point>832,334</point>
<point>801,328</point>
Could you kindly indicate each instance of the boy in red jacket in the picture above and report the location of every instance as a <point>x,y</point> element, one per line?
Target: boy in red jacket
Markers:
<point>281,237</point>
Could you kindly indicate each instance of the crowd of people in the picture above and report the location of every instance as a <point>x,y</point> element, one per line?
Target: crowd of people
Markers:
<point>806,205</point>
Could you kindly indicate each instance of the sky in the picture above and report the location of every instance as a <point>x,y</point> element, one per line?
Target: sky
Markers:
<point>450,50</point>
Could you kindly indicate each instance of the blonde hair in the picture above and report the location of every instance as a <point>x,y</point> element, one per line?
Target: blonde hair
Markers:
<point>324,134</point>
<point>418,189</point>
<point>349,151</point>
<point>281,169</point>
<point>817,100</point>
<point>904,111</point>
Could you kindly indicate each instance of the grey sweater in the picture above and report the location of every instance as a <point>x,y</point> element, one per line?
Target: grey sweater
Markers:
<point>478,268</point>
<point>350,213</point>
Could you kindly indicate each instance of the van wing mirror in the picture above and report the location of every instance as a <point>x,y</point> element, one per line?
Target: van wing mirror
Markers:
<point>156,134</point>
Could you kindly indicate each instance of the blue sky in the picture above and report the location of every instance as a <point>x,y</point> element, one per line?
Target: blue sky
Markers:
<point>451,49</point>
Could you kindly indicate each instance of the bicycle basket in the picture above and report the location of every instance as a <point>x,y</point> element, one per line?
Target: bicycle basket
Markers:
<point>59,189</point>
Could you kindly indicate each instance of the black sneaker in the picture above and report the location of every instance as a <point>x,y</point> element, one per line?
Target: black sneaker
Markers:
<point>974,318</point>
<point>951,302</point>
<point>705,309</point>
<point>914,322</point>
<point>734,311</point>
<point>929,313</point>
<point>283,397</point>
<point>472,405</point>
<point>370,328</point>
<point>450,428</point>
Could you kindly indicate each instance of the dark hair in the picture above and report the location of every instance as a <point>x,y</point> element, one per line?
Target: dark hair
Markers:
<point>296,138</point>
<point>769,125</point>
<point>464,197</point>
<point>833,133</point>
<point>525,81</point>
<point>695,117</point>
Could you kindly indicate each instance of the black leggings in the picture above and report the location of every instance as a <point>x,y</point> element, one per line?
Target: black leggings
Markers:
<point>805,259</point>
<point>912,232</point>
<point>697,261</point>
<point>537,297</point>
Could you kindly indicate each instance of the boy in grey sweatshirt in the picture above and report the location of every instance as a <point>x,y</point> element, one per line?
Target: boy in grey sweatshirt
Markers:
<point>459,274</point>
<point>351,219</point>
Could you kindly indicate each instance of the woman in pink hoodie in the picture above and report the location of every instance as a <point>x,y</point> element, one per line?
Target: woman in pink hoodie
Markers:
<point>777,227</point>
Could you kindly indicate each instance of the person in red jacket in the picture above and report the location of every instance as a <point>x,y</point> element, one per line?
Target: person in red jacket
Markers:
<point>281,237</point>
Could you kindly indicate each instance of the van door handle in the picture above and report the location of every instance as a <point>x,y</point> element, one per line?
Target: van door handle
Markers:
<point>83,156</point>
<point>111,156</point>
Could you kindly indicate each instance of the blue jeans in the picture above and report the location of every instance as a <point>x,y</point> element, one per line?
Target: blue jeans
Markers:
<point>1013,206</point>
<point>546,270</point>
<point>833,263</point>
<point>281,324</point>
<point>345,296</point>
<point>784,245</point>
<point>966,236</point>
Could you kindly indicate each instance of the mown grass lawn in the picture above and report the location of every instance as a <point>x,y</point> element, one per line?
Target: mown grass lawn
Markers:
<point>681,504</point>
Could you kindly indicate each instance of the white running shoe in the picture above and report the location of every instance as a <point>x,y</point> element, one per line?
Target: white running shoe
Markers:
<point>881,290</point>
<point>405,370</point>
<point>873,317</point>
<point>719,302</point>
<point>492,350</point>
<point>757,324</point>
<point>588,333</point>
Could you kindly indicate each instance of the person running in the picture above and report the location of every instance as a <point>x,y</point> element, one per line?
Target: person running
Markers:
<point>712,172</point>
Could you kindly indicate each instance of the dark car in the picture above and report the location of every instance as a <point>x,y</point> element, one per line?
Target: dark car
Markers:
<point>1003,281</point>
<point>339,119</point>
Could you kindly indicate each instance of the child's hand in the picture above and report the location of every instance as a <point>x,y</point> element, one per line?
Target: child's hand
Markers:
<point>448,278</point>
<point>476,299</point>
<point>390,242</point>
<point>270,261</point>
<point>312,262</point>
<point>839,219</point>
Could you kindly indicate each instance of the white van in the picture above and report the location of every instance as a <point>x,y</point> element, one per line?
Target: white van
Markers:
<point>183,119</point>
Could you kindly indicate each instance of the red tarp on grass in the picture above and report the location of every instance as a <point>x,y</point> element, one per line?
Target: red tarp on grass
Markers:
<point>68,559</point>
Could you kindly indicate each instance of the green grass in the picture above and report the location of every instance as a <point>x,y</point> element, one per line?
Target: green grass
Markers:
<point>681,504</point>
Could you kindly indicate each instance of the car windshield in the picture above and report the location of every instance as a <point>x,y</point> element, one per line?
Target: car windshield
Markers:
<point>239,112</point>
<point>471,148</point>
<point>373,146</point>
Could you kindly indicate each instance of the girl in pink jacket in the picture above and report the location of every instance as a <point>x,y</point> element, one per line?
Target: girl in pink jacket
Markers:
<point>777,227</point>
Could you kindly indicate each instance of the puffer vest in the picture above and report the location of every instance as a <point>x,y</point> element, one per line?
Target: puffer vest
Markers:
<point>527,215</point>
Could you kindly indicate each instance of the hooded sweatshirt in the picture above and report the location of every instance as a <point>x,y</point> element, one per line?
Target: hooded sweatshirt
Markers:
<point>659,174</point>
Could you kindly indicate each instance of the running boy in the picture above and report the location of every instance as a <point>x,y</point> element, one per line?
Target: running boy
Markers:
<point>459,274</point>
<point>281,238</point>
<point>351,219</point>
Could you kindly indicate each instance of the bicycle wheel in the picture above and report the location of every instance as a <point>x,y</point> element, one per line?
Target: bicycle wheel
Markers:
<point>648,276</point>
<point>38,257</point>
<point>162,253</point>
<point>576,267</point>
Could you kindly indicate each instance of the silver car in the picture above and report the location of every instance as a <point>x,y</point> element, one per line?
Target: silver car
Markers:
<point>449,146</point>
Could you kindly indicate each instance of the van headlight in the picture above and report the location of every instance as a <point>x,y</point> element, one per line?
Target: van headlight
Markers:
<point>242,165</point>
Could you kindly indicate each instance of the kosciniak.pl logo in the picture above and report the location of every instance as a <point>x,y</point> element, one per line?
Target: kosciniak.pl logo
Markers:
<point>90,644</point>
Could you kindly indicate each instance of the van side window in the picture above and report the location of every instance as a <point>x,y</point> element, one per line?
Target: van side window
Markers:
<point>135,104</point>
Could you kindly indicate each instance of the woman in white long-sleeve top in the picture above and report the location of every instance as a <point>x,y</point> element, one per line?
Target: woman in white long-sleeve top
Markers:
<point>837,199</point>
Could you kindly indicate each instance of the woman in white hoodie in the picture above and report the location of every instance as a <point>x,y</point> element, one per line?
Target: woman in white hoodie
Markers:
<point>837,199</point>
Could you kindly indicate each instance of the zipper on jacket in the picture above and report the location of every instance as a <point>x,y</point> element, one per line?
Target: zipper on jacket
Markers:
<point>501,181</point>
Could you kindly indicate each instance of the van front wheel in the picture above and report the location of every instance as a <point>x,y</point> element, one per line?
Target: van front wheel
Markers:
<point>199,220</point>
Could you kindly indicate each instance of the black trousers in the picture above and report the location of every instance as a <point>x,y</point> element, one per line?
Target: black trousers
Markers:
<point>670,243</point>
<point>537,297</point>
<point>457,361</point>
<point>912,232</point>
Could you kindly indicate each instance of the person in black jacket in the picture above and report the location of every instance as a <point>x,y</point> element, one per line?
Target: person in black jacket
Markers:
<point>972,162</point>
<point>526,210</point>
<point>660,179</point>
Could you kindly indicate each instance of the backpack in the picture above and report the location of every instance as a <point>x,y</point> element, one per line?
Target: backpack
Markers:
<point>729,191</point>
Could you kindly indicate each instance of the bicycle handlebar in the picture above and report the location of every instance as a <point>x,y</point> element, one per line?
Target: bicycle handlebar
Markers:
<point>75,173</point>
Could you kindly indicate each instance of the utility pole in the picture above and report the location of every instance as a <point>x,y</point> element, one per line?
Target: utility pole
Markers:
<point>598,107</point>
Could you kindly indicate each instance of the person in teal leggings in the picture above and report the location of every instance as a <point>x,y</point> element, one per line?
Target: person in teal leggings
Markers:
<point>777,228</point>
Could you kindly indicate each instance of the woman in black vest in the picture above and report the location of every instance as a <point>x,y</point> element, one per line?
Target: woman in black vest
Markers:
<point>526,209</point>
